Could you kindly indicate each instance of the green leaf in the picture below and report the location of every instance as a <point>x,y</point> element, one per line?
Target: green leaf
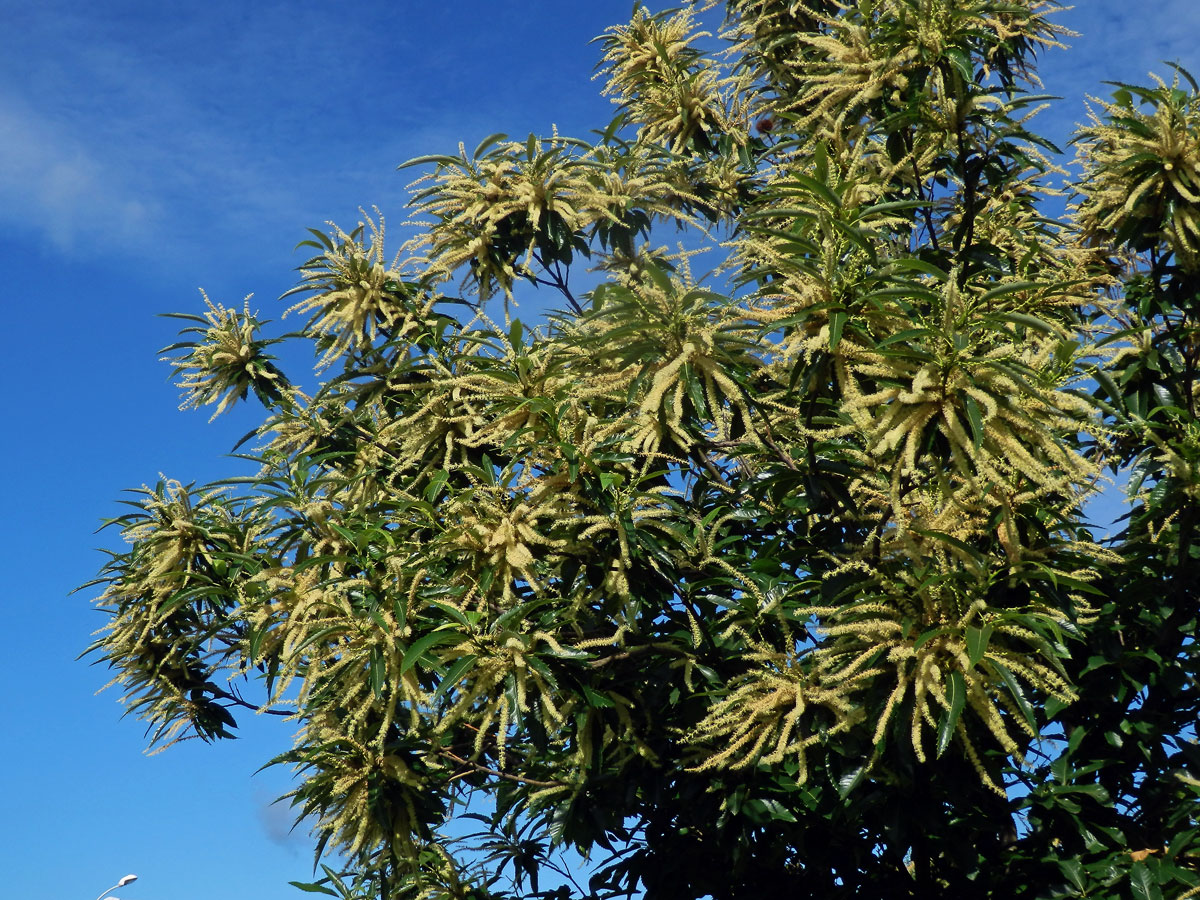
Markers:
<point>595,698</point>
<point>850,781</point>
<point>1095,791</point>
<point>977,643</point>
<point>777,810</point>
<point>927,636</point>
<point>813,187</point>
<point>820,162</point>
<point>956,696</point>
<point>436,483</point>
<point>1073,870</point>
<point>1017,693</point>
<point>837,321</point>
<point>1011,287</point>
<point>1029,321</point>
<point>312,888</point>
<point>439,158</point>
<point>426,642</point>
<point>919,265</point>
<point>975,419</point>
<point>904,337</point>
<point>953,542</point>
<point>489,141</point>
<point>608,479</point>
<point>961,61</point>
<point>1142,883</point>
<point>454,675</point>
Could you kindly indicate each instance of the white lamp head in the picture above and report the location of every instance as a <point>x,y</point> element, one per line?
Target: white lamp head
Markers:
<point>128,879</point>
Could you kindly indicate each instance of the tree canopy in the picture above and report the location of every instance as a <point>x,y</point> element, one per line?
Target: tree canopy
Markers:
<point>761,563</point>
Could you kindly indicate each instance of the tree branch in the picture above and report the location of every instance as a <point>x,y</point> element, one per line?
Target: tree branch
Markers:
<point>476,767</point>
<point>560,282</point>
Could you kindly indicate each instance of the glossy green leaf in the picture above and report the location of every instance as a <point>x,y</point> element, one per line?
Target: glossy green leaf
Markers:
<point>956,697</point>
<point>977,643</point>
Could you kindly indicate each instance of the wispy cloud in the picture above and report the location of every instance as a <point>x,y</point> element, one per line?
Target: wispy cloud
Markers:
<point>136,129</point>
<point>53,183</point>
<point>126,139</point>
<point>1119,41</point>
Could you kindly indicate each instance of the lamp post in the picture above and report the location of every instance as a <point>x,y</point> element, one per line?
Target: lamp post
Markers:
<point>128,879</point>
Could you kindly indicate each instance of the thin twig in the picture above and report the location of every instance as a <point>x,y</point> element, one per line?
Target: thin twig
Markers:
<point>769,439</point>
<point>506,775</point>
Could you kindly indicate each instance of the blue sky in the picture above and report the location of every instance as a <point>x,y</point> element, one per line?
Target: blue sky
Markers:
<point>147,150</point>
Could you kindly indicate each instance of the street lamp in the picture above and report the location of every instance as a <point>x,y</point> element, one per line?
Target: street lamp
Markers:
<point>128,879</point>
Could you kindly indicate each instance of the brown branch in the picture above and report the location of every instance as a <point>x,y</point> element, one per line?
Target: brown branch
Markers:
<point>768,439</point>
<point>474,766</point>
<point>717,475</point>
<point>618,657</point>
<point>785,458</point>
<point>633,651</point>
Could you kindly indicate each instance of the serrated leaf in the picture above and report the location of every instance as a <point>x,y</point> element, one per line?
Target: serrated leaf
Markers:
<point>820,162</point>
<point>961,60</point>
<point>1073,870</point>
<point>1142,883</point>
<point>953,542</point>
<point>975,419</point>
<point>1095,791</point>
<point>1029,322</point>
<point>312,888</point>
<point>837,321</point>
<point>977,643</point>
<point>850,781</point>
<point>919,265</point>
<point>904,337</point>
<point>778,811</point>
<point>813,187</point>
<point>956,696</point>
<point>1017,693</point>
<point>1009,288</point>
<point>454,675</point>
<point>424,643</point>
<point>436,483</point>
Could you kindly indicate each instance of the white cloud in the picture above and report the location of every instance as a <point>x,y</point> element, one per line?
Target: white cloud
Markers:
<point>1120,42</point>
<point>52,183</point>
<point>218,133</point>
<point>115,141</point>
